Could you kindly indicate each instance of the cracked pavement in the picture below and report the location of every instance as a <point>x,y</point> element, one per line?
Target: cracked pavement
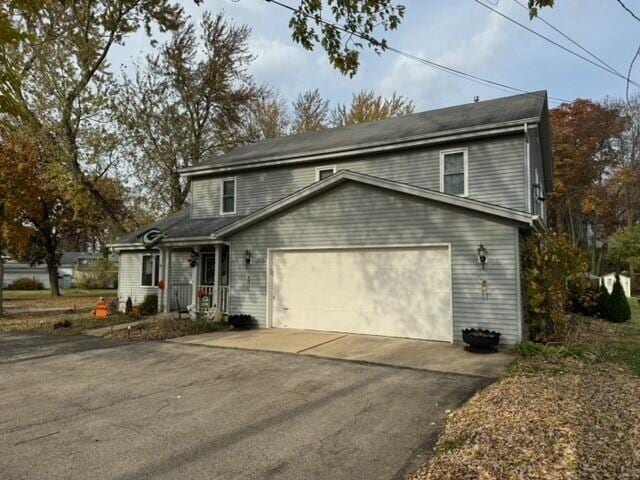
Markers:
<point>79,407</point>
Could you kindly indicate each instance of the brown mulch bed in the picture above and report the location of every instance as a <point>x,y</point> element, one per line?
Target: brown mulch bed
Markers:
<point>165,329</point>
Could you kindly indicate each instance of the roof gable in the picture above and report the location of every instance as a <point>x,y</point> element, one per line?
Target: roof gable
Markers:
<point>347,175</point>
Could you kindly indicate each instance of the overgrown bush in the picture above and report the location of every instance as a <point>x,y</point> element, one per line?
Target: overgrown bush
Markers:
<point>26,284</point>
<point>583,300</point>
<point>149,305</point>
<point>618,309</point>
<point>550,261</point>
<point>101,274</point>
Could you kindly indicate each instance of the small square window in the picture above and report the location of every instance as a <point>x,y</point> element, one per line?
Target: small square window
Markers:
<point>324,172</point>
<point>229,196</point>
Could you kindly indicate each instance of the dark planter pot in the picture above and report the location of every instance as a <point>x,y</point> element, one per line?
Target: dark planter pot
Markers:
<point>481,341</point>
<point>242,322</point>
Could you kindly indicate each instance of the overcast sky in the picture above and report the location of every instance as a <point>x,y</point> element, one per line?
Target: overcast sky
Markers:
<point>457,33</point>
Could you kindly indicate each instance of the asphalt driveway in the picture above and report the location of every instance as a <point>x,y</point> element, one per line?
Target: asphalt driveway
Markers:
<point>84,407</point>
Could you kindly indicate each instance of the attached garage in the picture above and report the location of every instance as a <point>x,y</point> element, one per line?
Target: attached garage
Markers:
<point>398,291</point>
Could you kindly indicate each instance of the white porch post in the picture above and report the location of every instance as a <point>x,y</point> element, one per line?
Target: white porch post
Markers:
<point>217,275</point>
<point>195,273</point>
<point>167,280</point>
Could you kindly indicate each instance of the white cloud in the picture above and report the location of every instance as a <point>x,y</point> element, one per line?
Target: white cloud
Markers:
<point>470,53</point>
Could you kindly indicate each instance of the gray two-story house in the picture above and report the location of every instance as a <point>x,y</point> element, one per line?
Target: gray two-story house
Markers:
<point>409,227</point>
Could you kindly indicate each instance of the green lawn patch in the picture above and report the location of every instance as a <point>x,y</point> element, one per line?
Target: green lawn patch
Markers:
<point>66,292</point>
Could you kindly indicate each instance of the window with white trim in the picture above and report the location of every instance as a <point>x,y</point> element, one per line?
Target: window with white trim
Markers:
<point>150,270</point>
<point>454,172</point>
<point>324,172</point>
<point>228,196</point>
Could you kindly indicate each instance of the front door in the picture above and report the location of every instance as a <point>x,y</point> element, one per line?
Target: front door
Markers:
<point>208,276</point>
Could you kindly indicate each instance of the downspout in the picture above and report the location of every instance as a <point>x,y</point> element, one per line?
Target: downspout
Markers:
<point>527,166</point>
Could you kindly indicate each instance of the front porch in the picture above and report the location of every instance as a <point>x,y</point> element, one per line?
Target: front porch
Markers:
<point>195,275</point>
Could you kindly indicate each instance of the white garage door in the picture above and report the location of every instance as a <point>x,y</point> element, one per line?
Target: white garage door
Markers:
<point>398,292</point>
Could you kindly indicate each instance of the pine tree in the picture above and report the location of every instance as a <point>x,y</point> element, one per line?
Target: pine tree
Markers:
<point>618,307</point>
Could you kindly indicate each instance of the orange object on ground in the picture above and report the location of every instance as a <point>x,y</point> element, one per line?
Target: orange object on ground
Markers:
<point>102,309</point>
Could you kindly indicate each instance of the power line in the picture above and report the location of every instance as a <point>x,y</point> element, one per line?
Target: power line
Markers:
<point>628,10</point>
<point>553,42</point>
<point>459,73</point>
<point>593,55</point>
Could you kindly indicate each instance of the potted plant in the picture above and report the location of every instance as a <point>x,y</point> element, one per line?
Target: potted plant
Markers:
<point>241,322</point>
<point>480,340</point>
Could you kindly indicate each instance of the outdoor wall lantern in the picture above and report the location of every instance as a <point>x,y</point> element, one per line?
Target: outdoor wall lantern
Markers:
<point>193,258</point>
<point>482,255</point>
<point>247,258</point>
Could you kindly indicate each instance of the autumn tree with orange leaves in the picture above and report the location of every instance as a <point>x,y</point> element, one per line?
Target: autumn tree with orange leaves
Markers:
<point>586,203</point>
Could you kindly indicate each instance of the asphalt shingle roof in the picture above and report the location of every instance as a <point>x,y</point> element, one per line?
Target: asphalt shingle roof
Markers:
<point>180,225</point>
<point>501,110</point>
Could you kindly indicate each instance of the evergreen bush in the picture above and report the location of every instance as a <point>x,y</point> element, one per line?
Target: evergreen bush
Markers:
<point>149,305</point>
<point>618,308</point>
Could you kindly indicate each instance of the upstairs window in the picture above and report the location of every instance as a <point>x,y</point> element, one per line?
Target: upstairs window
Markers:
<point>454,172</point>
<point>150,270</point>
<point>324,172</point>
<point>228,199</point>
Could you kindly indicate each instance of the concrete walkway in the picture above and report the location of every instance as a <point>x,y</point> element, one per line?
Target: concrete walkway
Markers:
<point>397,352</point>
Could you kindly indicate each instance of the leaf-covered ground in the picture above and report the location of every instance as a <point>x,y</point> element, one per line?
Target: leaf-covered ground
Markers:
<point>570,412</point>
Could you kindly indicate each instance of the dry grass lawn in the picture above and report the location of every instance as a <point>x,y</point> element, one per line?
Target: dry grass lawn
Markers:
<point>46,322</point>
<point>165,329</point>
<point>570,412</point>
<point>74,299</point>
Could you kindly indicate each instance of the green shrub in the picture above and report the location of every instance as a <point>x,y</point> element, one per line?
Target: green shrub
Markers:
<point>583,299</point>
<point>26,284</point>
<point>602,301</point>
<point>618,309</point>
<point>550,260</point>
<point>149,305</point>
<point>531,349</point>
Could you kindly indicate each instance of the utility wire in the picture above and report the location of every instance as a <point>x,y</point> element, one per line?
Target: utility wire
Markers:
<point>629,10</point>
<point>593,55</point>
<point>553,42</point>
<point>459,73</point>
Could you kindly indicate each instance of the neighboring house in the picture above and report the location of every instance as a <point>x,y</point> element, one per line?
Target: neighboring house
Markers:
<point>374,228</point>
<point>71,263</point>
<point>609,279</point>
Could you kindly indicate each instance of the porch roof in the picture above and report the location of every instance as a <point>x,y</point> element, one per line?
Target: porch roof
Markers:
<point>178,226</point>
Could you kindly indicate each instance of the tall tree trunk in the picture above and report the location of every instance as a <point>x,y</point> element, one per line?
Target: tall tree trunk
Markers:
<point>1,282</point>
<point>53,279</point>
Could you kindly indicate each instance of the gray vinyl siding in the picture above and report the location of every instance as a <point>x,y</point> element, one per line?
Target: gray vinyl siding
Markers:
<point>496,175</point>
<point>130,278</point>
<point>181,272</point>
<point>353,214</point>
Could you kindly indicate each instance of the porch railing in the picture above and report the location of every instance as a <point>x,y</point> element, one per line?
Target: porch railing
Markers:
<point>180,296</point>
<point>210,296</point>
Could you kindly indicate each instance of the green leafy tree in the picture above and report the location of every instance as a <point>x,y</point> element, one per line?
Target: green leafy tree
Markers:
<point>366,106</point>
<point>191,100</point>
<point>624,246</point>
<point>310,112</point>
<point>618,309</point>
<point>343,29</point>
<point>56,79</point>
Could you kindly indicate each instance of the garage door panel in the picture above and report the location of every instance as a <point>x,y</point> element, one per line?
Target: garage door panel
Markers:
<point>402,292</point>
